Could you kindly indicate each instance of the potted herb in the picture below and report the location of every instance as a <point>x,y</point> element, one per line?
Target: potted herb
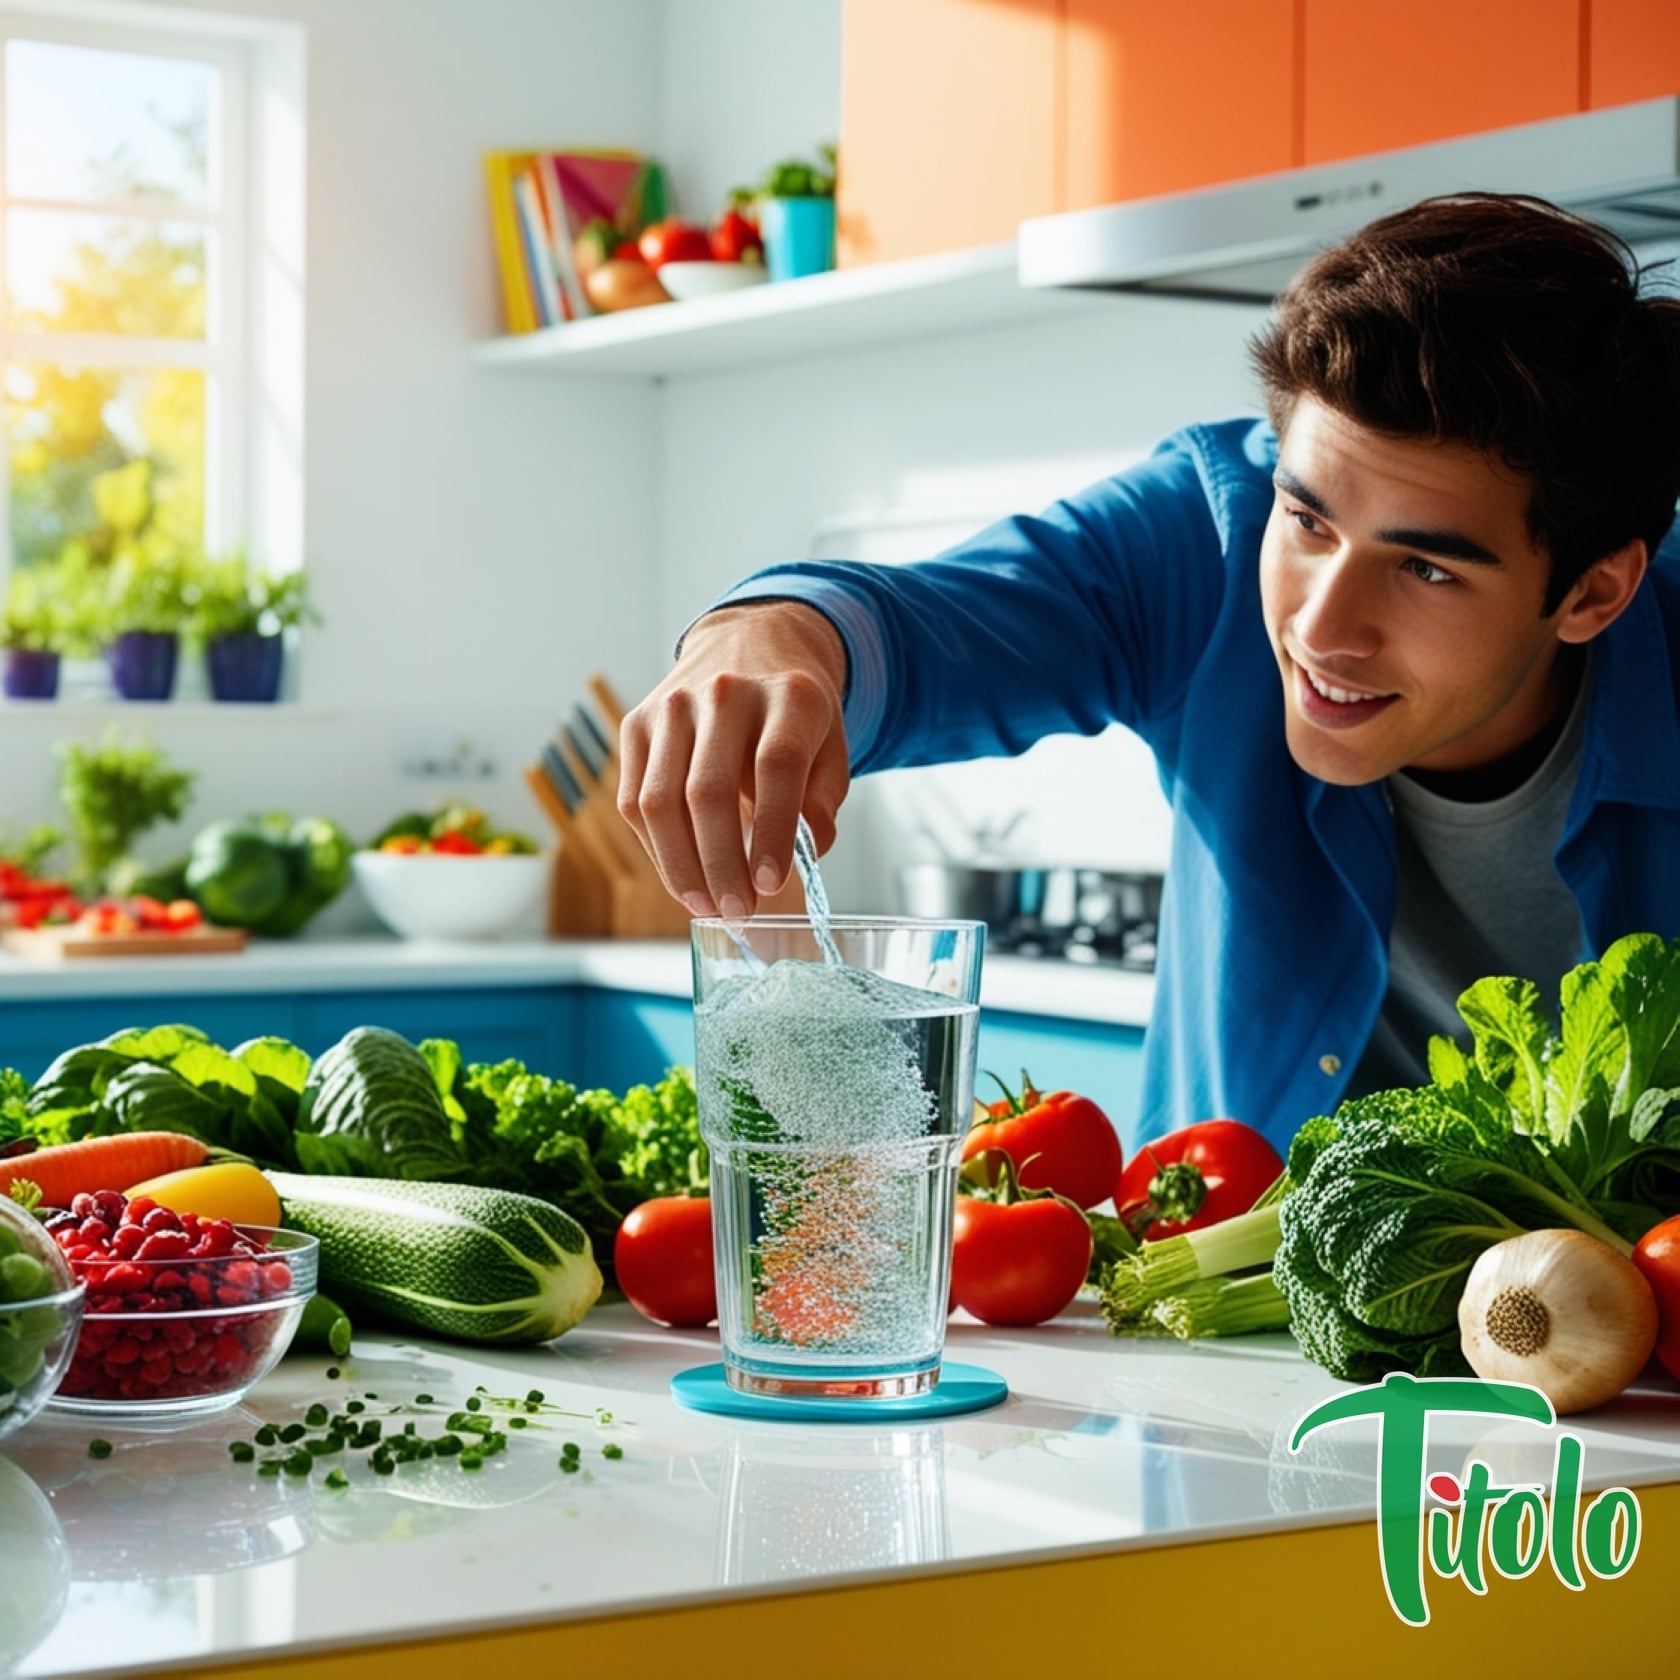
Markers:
<point>113,793</point>
<point>145,609</point>
<point>795,205</point>
<point>243,614</point>
<point>31,634</point>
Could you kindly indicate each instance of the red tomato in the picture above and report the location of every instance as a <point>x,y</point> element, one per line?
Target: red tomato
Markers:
<point>662,1257</point>
<point>674,241</point>
<point>1017,1262</point>
<point>736,239</point>
<point>1657,1255</point>
<point>182,913</point>
<point>1236,1162</point>
<point>1076,1148</point>
<point>455,844</point>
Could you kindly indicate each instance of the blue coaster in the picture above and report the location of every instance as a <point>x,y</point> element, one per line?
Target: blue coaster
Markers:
<point>961,1388</point>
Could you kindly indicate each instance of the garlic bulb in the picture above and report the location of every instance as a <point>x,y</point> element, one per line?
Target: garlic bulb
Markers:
<point>1561,1311</point>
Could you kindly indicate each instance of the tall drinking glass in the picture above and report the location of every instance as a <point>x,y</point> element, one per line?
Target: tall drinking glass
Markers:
<point>833,1100</point>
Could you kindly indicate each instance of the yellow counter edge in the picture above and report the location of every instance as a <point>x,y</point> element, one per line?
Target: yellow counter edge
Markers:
<point>1294,1604</point>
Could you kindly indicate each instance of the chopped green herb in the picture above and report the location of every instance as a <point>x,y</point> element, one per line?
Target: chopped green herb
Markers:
<point>269,1467</point>
<point>316,1415</point>
<point>99,1449</point>
<point>298,1464</point>
<point>612,1450</point>
<point>424,1400</point>
<point>337,1479</point>
<point>354,1406</point>
<point>292,1432</point>
<point>333,1373</point>
<point>534,1398</point>
<point>474,1404</point>
<point>241,1452</point>
<point>569,1464</point>
<point>519,1423</point>
<point>267,1435</point>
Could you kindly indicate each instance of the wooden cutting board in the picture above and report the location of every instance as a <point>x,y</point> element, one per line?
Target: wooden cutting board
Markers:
<point>62,944</point>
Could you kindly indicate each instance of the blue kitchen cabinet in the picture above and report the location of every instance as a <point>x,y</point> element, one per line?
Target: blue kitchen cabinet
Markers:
<point>1100,1061</point>
<point>32,1034</point>
<point>630,1038</point>
<point>538,1025</point>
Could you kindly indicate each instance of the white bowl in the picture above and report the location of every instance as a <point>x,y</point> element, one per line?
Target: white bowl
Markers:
<point>702,279</point>
<point>433,896</point>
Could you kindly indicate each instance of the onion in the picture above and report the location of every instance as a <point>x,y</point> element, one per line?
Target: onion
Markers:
<point>1561,1311</point>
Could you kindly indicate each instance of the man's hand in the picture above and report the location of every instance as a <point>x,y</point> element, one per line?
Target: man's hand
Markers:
<point>750,716</point>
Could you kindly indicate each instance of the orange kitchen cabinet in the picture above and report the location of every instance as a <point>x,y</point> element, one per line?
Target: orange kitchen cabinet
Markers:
<point>947,124</point>
<point>1633,50</point>
<point>1161,97</point>
<point>1384,73</point>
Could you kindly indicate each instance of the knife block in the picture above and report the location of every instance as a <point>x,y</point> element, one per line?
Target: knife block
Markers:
<point>603,885</point>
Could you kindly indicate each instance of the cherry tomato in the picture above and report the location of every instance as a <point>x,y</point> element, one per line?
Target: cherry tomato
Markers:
<point>735,238</point>
<point>452,843</point>
<point>674,241</point>
<point>1017,1262</point>
<point>1076,1148</point>
<point>1235,1161</point>
<point>662,1257</point>
<point>1657,1255</point>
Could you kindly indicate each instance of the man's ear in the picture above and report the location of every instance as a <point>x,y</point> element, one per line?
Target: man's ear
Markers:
<point>1602,593</point>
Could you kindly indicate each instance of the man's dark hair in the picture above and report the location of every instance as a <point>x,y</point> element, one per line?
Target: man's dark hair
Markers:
<point>1507,325</point>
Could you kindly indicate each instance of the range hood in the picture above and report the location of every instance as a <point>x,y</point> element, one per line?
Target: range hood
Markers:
<point>1242,242</point>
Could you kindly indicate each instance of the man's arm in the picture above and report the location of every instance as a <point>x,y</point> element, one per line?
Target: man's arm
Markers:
<point>1092,613</point>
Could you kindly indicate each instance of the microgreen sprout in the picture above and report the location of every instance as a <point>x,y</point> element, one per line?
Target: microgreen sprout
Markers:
<point>470,1436</point>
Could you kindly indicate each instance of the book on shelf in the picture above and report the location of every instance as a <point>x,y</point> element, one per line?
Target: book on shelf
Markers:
<point>540,202</point>
<point>538,246</point>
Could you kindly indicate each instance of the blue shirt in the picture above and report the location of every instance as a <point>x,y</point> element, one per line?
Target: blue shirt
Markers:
<point>1137,602</point>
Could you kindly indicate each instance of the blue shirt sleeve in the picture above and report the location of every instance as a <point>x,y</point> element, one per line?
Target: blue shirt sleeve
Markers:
<point>1094,612</point>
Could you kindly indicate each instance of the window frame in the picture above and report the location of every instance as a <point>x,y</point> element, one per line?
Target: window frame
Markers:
<point>222,356</point>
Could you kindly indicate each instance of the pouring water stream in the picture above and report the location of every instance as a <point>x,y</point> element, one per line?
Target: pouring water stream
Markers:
<point>816,904</point>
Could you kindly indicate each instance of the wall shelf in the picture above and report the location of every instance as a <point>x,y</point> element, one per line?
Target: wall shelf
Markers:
<point>826,313</point>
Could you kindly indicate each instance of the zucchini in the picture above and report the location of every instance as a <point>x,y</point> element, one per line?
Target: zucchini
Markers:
<point>449,1259</point>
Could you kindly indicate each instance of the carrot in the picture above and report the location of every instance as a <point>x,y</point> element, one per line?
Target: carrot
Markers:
<point>64,1170</point>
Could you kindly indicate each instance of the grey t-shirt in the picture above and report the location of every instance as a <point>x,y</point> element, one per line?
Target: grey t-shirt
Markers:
<point>1477,894</point>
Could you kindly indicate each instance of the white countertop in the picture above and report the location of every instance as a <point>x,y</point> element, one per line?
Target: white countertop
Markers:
<point>168,1553</point>
<point>661,967</point>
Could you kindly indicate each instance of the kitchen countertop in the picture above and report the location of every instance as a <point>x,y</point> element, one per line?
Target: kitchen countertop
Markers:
<point>661,967</point>
<point>1125,1455</point>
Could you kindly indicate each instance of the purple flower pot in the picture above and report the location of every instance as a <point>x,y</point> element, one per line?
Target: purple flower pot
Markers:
<point>31,674</point>
<point>142,664</point>
<point>246,667</point>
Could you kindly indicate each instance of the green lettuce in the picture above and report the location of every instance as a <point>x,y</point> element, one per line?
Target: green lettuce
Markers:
<point>1535,1127</point>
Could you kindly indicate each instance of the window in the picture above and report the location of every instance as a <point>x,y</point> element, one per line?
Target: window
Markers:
<point>122,290</point>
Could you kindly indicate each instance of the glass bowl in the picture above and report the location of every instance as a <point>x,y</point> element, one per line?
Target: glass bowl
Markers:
<point>173,1338</point>
<point>37,1338</point>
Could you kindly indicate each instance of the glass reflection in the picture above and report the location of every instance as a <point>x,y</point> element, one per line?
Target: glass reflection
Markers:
<point>34,1566</point>
<point>796,1503</point>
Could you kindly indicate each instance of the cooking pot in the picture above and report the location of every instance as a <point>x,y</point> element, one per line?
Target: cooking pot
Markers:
<point>998,896</point>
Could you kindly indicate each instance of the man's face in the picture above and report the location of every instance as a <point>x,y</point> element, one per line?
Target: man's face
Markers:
<point>1402,595</point>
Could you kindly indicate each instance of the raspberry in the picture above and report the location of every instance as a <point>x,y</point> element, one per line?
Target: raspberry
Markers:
<point>127,1240</point>
<point>164,1244</point>
<point>110,1205</point>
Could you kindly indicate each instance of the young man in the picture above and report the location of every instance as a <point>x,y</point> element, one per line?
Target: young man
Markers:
<point>1405,657</point>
